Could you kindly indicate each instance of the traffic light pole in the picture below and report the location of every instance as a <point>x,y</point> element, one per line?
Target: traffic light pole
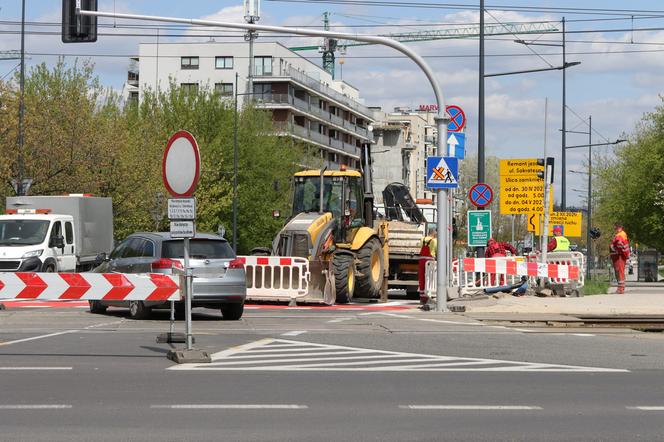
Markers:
<point>442,199</point>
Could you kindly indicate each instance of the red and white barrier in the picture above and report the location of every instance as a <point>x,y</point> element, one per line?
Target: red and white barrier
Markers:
<point>90,286</point>
<point>276,278</point>
<point>521,268</point>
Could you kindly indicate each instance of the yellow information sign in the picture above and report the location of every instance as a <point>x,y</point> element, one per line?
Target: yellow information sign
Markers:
<point>522,194</point>
<point>570,222</point>
<point>524,166</point>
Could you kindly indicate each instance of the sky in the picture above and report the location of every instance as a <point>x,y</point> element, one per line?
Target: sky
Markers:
<point>619,79</point>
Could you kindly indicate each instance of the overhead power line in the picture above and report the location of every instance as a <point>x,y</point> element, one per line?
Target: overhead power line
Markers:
<point>475,7</point>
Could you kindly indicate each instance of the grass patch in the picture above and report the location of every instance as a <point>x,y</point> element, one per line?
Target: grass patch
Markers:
<point>595,287</point>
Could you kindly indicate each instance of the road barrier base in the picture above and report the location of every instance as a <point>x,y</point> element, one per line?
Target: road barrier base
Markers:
<point>174,338</point>
<point>189,356</point>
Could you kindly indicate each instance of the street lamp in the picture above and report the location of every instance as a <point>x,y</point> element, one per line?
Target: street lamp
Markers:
<point>563,199</point>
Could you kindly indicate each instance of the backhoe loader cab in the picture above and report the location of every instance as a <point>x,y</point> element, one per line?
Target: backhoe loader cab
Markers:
<point>329,227</point>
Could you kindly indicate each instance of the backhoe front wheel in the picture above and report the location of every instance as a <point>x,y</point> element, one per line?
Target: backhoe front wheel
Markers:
<point>344,278</point>
<point>370,269</point>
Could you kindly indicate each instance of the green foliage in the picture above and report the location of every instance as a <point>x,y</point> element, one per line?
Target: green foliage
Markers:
<point>82,139</point>
<point>630,188</point>
<point>596,286</point>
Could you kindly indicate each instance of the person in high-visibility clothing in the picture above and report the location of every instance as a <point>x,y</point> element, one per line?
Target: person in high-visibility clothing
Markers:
<point>619,250</point>
<point>558,243</point>
<point>427,253</point>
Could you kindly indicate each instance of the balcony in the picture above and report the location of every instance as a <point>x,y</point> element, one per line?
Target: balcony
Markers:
<point>288,128</point>
<point>321,88</point>
<point>297,103</point>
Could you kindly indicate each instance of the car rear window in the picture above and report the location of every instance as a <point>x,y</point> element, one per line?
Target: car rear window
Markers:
<point>199,249</point>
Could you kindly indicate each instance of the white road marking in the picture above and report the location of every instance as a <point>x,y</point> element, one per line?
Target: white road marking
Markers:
<point>646,408</point>
<point>294,333</point>
<point>232,407</point>
<point>333,321</point>
<point>35,407</point>
<point>35,368</point>
<point>583,334</point>
<point>283,355</point>
<point>34,338</point>
<point>470,407</point>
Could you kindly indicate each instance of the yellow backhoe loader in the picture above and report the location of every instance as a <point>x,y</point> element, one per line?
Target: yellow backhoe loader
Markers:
<point>332,226</point>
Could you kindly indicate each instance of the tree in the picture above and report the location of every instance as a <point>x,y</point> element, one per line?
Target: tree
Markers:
<point>630,187</point>
<point>79,138</point>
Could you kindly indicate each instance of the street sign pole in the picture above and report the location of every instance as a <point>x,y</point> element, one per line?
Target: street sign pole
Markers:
<point>181,169</point>
<point>442,261</point>
<point>187,294</point>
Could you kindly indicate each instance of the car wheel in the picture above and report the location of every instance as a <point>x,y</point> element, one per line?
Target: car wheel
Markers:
<point>232,312</point>
<point>50,268</point>
<point>138,310</point>
<point>97,307</point>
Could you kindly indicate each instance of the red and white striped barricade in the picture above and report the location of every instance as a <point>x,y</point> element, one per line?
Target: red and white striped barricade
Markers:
<point>90,286</point>
<point>276,278</point>
<point>478,274</point>
<point>517,268</point>
<point>576,259</point>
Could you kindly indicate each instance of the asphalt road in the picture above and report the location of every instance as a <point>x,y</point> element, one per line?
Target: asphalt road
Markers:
<point>325,375</point>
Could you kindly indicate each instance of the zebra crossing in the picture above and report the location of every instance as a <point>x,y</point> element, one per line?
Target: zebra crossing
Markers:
<point>272,354</point>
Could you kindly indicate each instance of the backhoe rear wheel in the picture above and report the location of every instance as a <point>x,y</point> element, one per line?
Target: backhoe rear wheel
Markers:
<point>370,269</point>
<point>344,278</point>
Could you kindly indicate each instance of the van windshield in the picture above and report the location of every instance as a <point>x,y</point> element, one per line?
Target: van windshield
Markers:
<point>22,232</point>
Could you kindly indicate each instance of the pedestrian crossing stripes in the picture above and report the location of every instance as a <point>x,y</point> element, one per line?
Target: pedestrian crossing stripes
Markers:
<point>284,355</point>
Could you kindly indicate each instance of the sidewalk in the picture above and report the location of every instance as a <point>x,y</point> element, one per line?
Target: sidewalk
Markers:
<point>637,300</point>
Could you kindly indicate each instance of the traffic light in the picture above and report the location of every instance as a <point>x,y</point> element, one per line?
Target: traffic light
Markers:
<point>78,28</point>
<point>548,162</point>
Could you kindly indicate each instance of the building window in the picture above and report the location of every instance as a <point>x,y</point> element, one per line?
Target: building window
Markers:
<point>189,62</point>
<point>223,62</point>
<point>263,65</point>
<point>261,90</point>
<point>189,88</point>
<point>223,88</point>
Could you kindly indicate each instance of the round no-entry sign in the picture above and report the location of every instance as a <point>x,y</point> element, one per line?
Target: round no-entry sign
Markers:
<point>181,165</point>
<point>480,195</point>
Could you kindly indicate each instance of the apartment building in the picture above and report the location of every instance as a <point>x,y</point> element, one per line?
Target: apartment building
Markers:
<point>306,103</point>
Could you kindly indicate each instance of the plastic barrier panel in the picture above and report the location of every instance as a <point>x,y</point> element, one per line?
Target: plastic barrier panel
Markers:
<point>273,278</point>
<point>90,286</point>
<point>564,259</point>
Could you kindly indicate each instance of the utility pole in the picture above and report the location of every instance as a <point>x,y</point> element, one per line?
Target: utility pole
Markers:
<point>235,161</point>
<point>20,188</point>
<point>563,196</point>
<point>251,16</point>
<point>480,109</point>
<point>590,196</point>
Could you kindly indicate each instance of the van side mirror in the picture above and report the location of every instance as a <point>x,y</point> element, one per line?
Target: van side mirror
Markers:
<point>58,242</point>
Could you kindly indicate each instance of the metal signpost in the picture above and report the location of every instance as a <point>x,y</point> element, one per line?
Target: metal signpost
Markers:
<point>441,119</point>
<point>181,170</point>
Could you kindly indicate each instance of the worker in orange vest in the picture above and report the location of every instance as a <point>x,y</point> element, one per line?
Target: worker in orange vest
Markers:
<point>619,250</point>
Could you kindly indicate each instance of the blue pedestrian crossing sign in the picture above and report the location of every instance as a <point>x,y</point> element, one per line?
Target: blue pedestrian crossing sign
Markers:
<point>456,144</point>
<point>442,172</point>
